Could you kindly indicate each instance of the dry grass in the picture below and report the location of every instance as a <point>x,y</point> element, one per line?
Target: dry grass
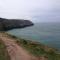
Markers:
<point>3,52</point>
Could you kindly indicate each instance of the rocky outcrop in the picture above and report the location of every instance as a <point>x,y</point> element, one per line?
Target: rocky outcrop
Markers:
<point>7,24</point>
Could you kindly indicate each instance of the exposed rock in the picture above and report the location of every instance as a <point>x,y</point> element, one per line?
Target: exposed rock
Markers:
<point>7,24</point>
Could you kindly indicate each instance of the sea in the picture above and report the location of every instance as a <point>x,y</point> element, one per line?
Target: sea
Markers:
<point>45,33</point>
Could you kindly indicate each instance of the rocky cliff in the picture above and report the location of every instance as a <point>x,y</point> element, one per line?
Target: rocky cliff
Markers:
<point>7,24</point>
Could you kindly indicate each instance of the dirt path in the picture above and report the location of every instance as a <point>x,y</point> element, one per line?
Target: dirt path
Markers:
<point>16,52</point>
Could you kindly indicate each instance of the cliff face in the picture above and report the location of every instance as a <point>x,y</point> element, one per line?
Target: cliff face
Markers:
<point>7,24</point>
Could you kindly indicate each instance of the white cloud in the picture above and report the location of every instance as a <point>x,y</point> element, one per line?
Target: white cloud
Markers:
<point>27,9</point>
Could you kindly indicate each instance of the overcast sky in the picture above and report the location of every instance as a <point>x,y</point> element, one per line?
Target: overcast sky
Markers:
<point>35,10</point>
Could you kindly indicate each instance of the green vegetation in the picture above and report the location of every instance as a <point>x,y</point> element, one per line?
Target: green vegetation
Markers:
<point>37,49</point>
<point>3,52</point>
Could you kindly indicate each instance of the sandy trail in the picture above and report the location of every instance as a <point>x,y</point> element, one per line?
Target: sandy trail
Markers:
<point>16,52</point>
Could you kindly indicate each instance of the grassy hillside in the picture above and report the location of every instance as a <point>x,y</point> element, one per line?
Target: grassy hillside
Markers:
<point>38,49</point>
<point>3,52</point>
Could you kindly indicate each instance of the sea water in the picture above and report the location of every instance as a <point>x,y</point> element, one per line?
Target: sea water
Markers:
<point>45,33</point>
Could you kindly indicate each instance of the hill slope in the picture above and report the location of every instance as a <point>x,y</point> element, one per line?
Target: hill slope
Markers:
<point>20,49</point>
<point>7,24</point>
<point>3,51</point>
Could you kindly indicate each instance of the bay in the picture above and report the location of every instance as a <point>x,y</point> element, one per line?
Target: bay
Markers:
<point>45,33</point>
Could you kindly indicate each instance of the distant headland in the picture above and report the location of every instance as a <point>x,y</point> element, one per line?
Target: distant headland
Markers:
<point>8,24</point>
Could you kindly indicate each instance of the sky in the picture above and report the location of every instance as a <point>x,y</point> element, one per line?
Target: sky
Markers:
<point>34,10</point>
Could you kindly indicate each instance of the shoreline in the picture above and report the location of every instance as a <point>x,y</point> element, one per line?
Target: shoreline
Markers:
<point>37,42</point>
<point>34,48</point>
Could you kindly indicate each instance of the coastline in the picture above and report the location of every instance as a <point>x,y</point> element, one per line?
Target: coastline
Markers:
<point>35,48</point>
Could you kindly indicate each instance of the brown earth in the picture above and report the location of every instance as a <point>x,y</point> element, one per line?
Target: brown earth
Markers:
<point>15,51</point>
